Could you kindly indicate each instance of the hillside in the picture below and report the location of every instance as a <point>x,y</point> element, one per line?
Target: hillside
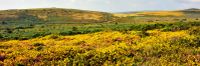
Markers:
<point>54,15</point>
<point>70,37</point>
<point>192,9</point>
<point>151,13</point>
<point>186,15</point>
<point>59,15</point>
<point>176,13</point>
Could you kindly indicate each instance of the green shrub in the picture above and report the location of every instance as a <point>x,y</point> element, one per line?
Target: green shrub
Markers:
<point>19,64</point>
<point>63,33</point>
<point>8,30</point>
<point>74,28</point>
<point>54,36</point>
<point>176,27</point>
<point>143,33</point>
<point>24,27</point>
<point>3,22</point>
<point>38,44</point>
<point>40,34</point>
<point>36,35</point>
<point>39,48</point>
<point>23,38</point>
<point>1,36</point>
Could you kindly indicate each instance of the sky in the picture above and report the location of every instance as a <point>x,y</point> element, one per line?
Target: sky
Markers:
<point>102,5</point>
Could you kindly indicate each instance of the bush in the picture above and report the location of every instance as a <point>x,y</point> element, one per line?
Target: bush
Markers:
<point>63,33</point>
<point>8,30</point>
<point>68,33</point>
<point>3,22</point>
<point>40,34</point>
<point>38,44</point>
<point>54,37</point>
<point>79,32</point>
<point>195,42</point>
<point>26,27</point>
<point>167,29</point>
<point>39,48</point>
<point>143,33</point>
<point>18,64</point>
<point>194,23</point>
<point>176,27</point>
<point>1,36</point>
<point>145,27</point>
<point>36,35</point>
<point>23,38</point>
<point>194,31</point>
<point>74,28</point>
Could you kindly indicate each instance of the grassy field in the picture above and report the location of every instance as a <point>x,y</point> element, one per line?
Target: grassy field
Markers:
<point>34,38</point>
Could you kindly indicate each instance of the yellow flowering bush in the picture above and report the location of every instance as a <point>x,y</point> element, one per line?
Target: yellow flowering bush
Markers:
<point>105,48</point>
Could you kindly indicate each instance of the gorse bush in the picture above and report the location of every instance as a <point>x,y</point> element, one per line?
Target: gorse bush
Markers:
<point>192,42</point>
<point>151,47</point>
<point>60,37</point>
<point>194,30</point>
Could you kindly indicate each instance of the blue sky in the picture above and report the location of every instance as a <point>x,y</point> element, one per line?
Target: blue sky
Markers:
<point>102,5</point>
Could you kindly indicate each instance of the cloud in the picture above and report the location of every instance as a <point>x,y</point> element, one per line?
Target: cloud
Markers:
<point>188,1</point>
<point>102,5</point>
<point>195,0</point>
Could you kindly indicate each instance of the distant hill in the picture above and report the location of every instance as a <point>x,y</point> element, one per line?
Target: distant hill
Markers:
<point>192,9</point>
<point>54,15</point>
<point>151,13</point>
<point>192,12</point>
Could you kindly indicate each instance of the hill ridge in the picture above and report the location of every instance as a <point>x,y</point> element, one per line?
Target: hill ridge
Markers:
<point>56,14</point>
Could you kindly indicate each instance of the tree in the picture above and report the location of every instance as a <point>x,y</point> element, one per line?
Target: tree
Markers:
<point>3,22</point>
<point>8,30</point>
<point>1,36</point>
<point>74,28</point>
